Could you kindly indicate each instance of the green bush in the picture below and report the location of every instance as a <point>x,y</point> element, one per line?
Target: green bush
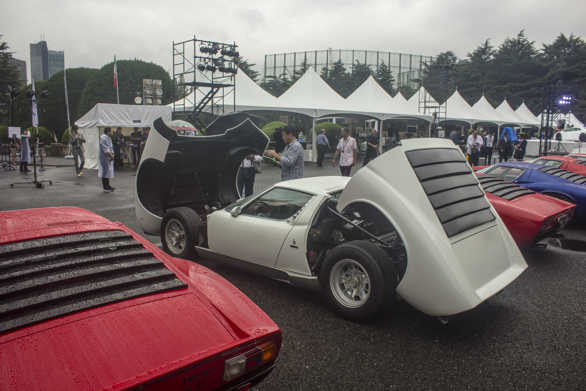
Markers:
<point>269,128</point>
<point>332,130</point>
<point>65,137</point>
<point>45,134</point>
<point>4,135</point>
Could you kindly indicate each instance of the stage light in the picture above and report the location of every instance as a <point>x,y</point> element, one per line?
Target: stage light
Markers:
<point>30,93</point>
<point>45,94</point>
<point>211,68</point>
<point>228,70</point>
<point>201,67</point>
<point>219,61</point>
<point>565,100</point>
<point>203,49</point>
<point>14,93</point>
<point>229,53</point>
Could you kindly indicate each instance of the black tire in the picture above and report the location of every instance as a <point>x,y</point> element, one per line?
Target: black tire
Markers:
<point>180,232</point>
<point>370,270</point>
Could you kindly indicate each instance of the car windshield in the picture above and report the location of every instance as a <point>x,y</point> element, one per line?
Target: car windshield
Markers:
<point>277,203</point>
<point>548,162</point>
<point>506,173</point>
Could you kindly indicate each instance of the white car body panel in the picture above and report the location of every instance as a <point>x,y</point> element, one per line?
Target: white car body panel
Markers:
<point>444,275</point>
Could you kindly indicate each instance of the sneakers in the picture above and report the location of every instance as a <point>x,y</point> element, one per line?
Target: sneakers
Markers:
<point>108,189</point>
<point>78,175</point>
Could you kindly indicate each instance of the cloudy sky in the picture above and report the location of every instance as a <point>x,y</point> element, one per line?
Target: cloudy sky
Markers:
<point>91,32</point>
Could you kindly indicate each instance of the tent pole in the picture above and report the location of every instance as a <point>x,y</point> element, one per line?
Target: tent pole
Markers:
<point>380,137</point>
<point>314,144</point>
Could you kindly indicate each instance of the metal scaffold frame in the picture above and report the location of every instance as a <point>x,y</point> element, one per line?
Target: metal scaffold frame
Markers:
<point>427,104</point>
<point>208,65</point>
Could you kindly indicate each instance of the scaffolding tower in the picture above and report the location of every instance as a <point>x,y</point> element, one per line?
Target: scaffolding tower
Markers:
<point>437,75</point>
<point>204,75</point>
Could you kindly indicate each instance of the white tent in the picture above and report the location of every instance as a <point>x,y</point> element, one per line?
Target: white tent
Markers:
<point>508,113</point>
<point>488,113</point>
<point>569,118</point>
<point>125,116</point>
<point>526,114</point>
<point>430,102</point>
<point>460,110</point>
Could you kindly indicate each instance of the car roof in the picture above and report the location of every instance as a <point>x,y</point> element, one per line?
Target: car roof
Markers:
<point>317,185</point>
<point>524,165</point>
<point>560,158</point>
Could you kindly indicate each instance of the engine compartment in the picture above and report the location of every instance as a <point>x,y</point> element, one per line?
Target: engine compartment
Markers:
<point>359,221</point>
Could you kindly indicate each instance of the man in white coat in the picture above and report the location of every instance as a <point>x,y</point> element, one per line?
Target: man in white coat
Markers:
<point>106,160</point>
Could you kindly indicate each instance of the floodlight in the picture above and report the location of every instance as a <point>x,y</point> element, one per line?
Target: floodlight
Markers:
<point>14,93</point>
<point>30,93</point>
<point>229,53</point>
<point>201,67</point>
<point>228,70</point>
<point>45,94</point>
<point>203,49</point>
<point>219,61</point>
<point>211,68</point>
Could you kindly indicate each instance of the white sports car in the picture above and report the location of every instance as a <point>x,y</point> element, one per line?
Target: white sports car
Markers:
<point>413,222</point>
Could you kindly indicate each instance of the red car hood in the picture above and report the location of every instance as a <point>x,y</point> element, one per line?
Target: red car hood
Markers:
<point>125,343</point>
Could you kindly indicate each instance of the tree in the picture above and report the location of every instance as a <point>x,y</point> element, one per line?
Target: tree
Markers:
<point>9,78</point>
<point>384,77</point>
<point>276,85</point>
<point>100,87</point>
<point>407,91</point>
<point>297,73</point>
<point>436,77</point>
<point>472,77</point>
<point>338,78</point>
<point>55,108</point>
<point>361,72</point>
<point>23,109</point>
<point>247,68</point>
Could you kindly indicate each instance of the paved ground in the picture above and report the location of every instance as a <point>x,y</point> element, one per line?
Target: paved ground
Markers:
<point>530,337</point>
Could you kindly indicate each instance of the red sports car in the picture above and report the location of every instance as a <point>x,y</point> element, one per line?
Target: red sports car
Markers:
<point>530,217</point>
<point>579,156</point>
<point>87,304</point>
<point>567,163</point>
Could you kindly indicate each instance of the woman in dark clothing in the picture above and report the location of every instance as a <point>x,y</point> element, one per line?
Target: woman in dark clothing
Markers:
<point>520,148</point>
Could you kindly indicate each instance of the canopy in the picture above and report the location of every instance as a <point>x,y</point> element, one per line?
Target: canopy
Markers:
<point>526,114</point>
<point>459,110</point>
<point>124,116</point>
<point>509,114</point>
<point>485,109</point>
<point>511,132</point>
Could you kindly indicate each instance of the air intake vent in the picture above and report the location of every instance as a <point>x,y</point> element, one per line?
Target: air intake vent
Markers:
<point>501,188</point>
<point>564,174</point>
<point>451,188</point>
<point>47,278</point>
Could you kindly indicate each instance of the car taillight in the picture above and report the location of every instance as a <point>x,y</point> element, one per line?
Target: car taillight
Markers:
<point>548,223</point>
<point>246,362</point>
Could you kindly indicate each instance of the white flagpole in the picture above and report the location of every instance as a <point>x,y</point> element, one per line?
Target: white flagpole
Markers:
<point>68,155</point>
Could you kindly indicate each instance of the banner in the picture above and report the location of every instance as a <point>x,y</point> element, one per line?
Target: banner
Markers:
<point>34,105</point>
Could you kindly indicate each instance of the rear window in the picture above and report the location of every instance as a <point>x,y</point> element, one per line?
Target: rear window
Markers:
<point>506,173</point>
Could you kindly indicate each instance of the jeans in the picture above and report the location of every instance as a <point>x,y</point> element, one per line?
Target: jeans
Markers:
<point>79,160</point>
<point>245,181</point>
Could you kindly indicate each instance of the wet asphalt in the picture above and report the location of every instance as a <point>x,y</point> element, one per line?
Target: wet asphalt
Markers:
<point>532,336</point>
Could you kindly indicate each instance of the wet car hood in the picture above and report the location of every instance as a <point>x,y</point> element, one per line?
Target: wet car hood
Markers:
<point>197,171</point>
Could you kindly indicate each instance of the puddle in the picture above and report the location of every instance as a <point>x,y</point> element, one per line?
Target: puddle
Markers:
<point>568,244</point>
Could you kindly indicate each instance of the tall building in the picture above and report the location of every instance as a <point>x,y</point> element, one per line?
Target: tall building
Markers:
<point>405,67</point>
<point>21,66</point>
<point>39,61</point>
<point>56,62</point>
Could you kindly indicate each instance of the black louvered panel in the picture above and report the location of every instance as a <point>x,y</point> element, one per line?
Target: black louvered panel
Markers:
<point>502,188</point>
<point>570,176</point>
<point>452,189</point>
<point>37,285</point>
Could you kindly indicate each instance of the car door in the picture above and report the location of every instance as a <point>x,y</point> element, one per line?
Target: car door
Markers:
<point>256,234</point>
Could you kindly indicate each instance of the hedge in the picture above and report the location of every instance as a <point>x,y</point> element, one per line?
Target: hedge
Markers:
<point>332,130</point>
<point>269,128</point>
<point>44,132</point>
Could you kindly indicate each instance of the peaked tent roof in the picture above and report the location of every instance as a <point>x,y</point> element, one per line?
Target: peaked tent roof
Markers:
<point>310,91</point>
<point>488,113</point>
<point>507,112</point>
<point>371,95</point>
<point>459,110</point>
<point>526,114</point>
<point>413,102</point>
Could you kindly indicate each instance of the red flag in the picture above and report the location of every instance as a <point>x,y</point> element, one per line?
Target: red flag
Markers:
<point>115,73</point>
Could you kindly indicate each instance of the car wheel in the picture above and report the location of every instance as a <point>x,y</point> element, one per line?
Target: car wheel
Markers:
<point>560,197</point>
<point>359,280</point>
<point>180,232</point>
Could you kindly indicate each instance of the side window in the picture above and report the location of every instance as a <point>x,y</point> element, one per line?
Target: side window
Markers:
<point>277,204</point>
<point>550,163</point>
<point>506,173</point>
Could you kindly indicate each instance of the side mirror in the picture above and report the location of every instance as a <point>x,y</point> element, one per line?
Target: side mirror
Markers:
<point>236,211</point>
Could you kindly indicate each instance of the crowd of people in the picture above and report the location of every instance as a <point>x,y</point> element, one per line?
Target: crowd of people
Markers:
<point>478,146</point>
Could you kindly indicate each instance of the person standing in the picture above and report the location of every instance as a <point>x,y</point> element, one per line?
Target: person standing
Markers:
<point>321,142</point>
<point>106,160</point>
<point>473,147</point>
<point>488,145</point>
<point>136,139</point>
<point>505,147</point>
<point>247,174</point>
<point>455,135</point>
<point>142,144</point>
<point>293,157</point>
<point>371,147</point>
<point>76,140</point>
<point>520,148</point>
<point>25,151</point>
<point>118,142</point>
<point>347,150</point>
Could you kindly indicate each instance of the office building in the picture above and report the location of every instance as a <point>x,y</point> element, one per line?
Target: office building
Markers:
<point>39,61</point>
<point>21,66</point>
<point>56,61</point>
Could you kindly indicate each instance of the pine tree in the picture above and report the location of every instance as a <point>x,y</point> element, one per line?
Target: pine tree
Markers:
<point>384,77</point>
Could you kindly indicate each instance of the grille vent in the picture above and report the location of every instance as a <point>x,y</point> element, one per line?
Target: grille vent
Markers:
<point>576,178</point>
<point>451,188</point>
<point>48,278</point>
<point>501,188</point>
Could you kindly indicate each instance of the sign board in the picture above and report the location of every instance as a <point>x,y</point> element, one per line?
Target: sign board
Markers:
<point>441,133</point>
<point>13,131</point>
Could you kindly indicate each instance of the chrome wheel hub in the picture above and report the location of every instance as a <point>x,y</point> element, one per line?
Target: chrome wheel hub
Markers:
<point>350,283</point>
<point>175,236</point>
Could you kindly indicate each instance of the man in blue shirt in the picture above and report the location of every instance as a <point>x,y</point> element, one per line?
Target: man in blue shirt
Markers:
<point>293,157</point>
<point>321,142</point>
<point>455,135</point>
